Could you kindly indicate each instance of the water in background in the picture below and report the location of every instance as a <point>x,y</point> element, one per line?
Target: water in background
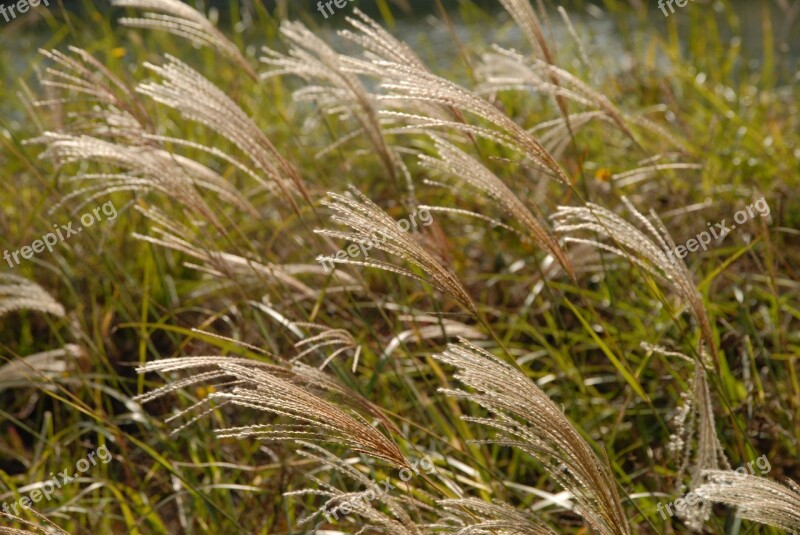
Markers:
<point>432,39</point>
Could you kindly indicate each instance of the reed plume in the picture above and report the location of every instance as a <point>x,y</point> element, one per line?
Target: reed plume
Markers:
<point>117,132</point>
<point>198,99</point>
<point>34,368</point>
<point>82,74</point>
<point>145,169</point>
<point>471,516</point>
<point>524,15</point>
<point>439,328</point>
<point>370,225</point>
<point>342,94</point>
<point>396,519</point>
<point>755,498</point>
<point>169,233</point>
<point>277,390</point>
<point>408,86</point>
<point>45,527</point>
<point>453,161</point>
<point>694,418</point>
<point>508,70</point>
<point>339,339</point>
<point>651,249</point>
<point>379,43</point>
<point>19,293</point>
<point>529,420</point>
<point>709,455</point>
<point>182,20</point>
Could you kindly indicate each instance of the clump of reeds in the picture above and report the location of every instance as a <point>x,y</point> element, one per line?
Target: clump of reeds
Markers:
<point>305,404</point>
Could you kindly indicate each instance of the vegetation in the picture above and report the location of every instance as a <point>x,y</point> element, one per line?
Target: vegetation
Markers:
<point>544,342</point>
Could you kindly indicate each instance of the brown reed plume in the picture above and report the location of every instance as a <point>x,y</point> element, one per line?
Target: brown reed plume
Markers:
<point>294,393</point>
<point>529,420</point>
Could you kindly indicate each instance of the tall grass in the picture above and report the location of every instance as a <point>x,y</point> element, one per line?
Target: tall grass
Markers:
<point>244,388</point>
